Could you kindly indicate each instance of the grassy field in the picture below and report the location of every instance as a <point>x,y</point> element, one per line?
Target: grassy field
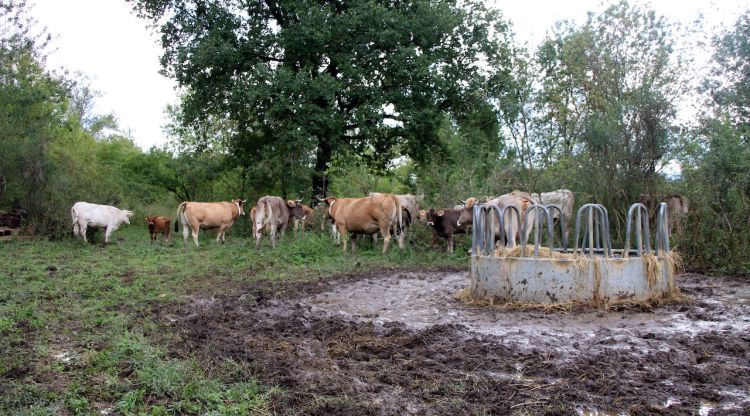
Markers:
<point>76,328</point>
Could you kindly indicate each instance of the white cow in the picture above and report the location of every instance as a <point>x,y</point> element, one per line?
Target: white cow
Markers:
<point>562,198</point>
<point>99,216</point>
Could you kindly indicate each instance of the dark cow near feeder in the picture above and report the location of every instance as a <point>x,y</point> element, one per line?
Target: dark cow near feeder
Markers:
<point>444,222</point>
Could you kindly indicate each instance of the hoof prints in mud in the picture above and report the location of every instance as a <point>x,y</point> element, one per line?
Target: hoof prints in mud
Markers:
<point>426,354</point>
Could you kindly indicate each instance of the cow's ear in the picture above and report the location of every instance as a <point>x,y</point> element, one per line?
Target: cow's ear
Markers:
<point>441,213</point>
<point>147,219</point>
<point>290,203</point>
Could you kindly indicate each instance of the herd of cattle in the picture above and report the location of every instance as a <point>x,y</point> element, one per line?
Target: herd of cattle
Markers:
<point>387,214</point>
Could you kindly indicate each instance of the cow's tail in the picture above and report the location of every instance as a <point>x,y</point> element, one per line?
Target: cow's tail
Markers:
<point>399,217</point>
<point>74,217</point>
<point>180,216</point>
<point>260,216</point>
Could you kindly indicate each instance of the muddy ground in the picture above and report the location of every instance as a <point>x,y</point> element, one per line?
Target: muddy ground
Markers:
<point>399,343</point>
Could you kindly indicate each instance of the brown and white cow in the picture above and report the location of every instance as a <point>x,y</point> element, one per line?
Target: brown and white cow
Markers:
<point>366,216</point>
<point>518,199</point>
<point>445,223</point>
<point>195,216</point>
<point>158,224</point>
<point>273,214</point>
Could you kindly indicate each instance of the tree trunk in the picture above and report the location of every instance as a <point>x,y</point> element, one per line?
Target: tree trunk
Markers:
<point>319,178</point>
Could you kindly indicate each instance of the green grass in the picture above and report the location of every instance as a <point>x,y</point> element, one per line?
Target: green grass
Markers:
<point>76,329</point>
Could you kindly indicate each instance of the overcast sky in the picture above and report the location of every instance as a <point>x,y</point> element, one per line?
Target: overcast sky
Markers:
<point>104,40</point>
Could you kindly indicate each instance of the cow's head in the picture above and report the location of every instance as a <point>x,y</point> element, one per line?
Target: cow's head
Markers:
<point>150,219</point>
<point>295,208</point>
<point>240,205</point>
<point>466,217</point>
<point>432,216</point>
<point>126,216</point>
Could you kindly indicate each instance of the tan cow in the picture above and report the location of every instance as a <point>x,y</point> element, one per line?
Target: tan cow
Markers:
<point>195,216</point>
<point>677,209</point>
<point>410,208</point>
<point>518,199</point>
<point>273,215</point>
<point>365,216</point>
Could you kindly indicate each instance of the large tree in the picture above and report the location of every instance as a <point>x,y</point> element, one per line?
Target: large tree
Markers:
<point>318,78</point>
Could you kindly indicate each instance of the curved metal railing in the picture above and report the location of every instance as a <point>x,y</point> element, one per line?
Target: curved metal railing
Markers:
<point>494,225</point>
<point>641,230</point>
<point>596,228</point>
<point>538,211</point>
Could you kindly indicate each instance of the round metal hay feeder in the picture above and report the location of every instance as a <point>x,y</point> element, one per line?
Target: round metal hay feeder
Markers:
<point>593,273</point>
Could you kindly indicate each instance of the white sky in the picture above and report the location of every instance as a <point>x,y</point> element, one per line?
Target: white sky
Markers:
<point>104,40</point>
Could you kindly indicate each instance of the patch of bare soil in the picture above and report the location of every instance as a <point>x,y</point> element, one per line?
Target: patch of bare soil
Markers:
<point>398,343</point>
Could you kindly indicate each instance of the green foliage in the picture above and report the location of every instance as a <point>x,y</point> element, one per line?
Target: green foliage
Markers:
<point>304,81</point>
<point>717,162</point>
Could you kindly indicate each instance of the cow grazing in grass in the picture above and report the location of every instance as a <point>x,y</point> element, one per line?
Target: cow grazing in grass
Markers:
<point>562,198</point>
<point>445,223</point>
<point>273,215</point>
<point>366,216</point>
<point>195,216</point>
<point>520,200</point>
<point>158,224</point>
<point>86,215</point>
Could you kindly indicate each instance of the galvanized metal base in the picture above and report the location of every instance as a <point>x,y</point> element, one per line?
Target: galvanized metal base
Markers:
<point>549,281</point>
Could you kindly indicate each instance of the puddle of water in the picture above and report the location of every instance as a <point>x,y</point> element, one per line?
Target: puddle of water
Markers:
<point>706,407</point>
<point>427,300</point>
<point>589,412</point>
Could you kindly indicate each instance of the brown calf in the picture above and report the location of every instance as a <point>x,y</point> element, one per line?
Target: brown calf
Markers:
<point>158,224</point>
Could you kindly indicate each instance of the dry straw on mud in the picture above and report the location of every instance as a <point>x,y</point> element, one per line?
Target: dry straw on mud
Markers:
<point>652,265</point>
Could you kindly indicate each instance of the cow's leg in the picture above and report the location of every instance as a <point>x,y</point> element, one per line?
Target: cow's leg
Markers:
<point>343,235</point>
<point>195,231</point>
<point>353,240</point>
<point>76,229</point>
<point>82,229</point>
<point>220,234</point>
<point>108,233</point>
<point>257,239</point>
<point>401,238</point>
<point>185,233</point>
<point>386,233</point>
<point>272,233</point>
<point>450,243</point>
